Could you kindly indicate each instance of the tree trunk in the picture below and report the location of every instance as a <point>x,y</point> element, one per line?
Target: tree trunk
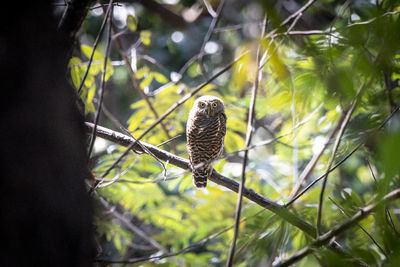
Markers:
<point>46,213</point>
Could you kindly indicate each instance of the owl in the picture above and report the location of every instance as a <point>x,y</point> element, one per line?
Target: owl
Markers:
<point>205,132</point>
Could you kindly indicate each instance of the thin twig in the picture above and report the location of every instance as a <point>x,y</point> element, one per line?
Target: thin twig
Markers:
<point>237,26</point>
<point>169,140</point>
<point>373,19</point>
<point>313,162</point>
<point>327,237</point>
<point>210,31</point>
<point>134,228</point>
<point>389,219</point>
<point>278,243</point>
<point>207,37</point>
<point>250,129</point>
<point>187,249</point>
<point>96,42</point>
<point>362,228</point>
<point>210,9</point>
<point>330,162</point>
<point>128,224</point>
<point>120,126</point>
<point>267,223</point>
<point>296,14</point>
<point>103,81</point>
<point>341,161</point>
<point>136,84</point>
<point>323,175</point>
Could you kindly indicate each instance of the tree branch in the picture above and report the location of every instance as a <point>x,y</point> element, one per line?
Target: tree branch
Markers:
<point>217,178</point>
<point>327,237</point>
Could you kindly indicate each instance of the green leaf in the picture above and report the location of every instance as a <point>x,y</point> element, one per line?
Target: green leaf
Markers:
<point>142,72</point>
<point>146,37</point>
<point>138,104</point>
<point>87,50</point>
<point>74,62</point>
<point>74,65</point>
<point>91,93</point>
<point>109,70</point>
<point>131,23</point>
<point>146,81</point>
<point>160,78</point>
<point>98,59</point>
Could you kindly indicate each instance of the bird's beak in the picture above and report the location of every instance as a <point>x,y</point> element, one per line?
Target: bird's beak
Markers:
<point>208,111</point>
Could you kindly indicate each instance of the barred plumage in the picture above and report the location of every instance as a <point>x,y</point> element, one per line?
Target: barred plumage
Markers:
<point>205,131</point>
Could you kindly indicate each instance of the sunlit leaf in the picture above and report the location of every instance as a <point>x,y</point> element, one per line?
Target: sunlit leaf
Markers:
<point>160,78</point>
<point>146,37</point>
<point>146,81</point>
<point>131,23</point>
<point>91,92</point>
<point>74,65</point>
<point>142,72</point>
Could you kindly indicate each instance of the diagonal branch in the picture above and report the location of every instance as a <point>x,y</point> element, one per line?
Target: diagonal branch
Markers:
<point>330,162</point>
<point>333,154</point>
<point>217,178</point>
<point>314,160</point>
<point>362,228</point>
<point>327,237</point>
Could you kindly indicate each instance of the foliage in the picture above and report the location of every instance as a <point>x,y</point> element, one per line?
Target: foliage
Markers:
<point>313,73</point>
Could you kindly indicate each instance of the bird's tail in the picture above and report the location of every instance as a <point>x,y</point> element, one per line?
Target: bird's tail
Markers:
<point>200,176</point>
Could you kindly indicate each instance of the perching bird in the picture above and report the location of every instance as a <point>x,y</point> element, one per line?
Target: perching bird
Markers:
<point>205,132</point>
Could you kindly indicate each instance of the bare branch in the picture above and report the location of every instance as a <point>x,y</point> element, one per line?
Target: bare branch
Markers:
<point>331,159</point>
<point>250,127</point>
<point>296,15</point>
<point>103,80</point>
<point>199,56</point>
<point>96,42</point>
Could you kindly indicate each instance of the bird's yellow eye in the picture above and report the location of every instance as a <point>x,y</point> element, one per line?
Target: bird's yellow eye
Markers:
<point>202,105</point>
<point>214,105</point>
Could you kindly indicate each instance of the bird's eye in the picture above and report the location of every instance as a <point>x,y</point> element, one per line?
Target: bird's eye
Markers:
<point>202,105</point>
<point>214,105</point>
